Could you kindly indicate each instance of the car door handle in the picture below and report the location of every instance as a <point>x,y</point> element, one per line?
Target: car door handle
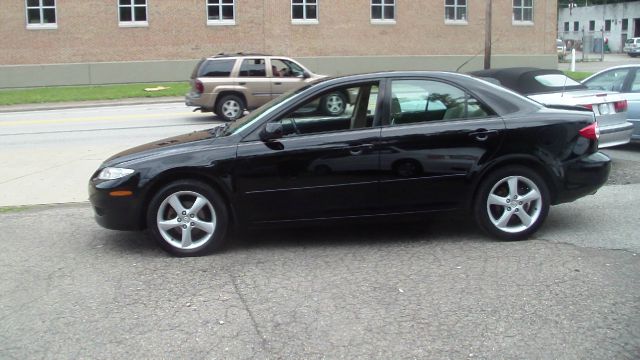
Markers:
<point>482,134</point>
<point>358,149</point>
<point>277,83</point>
<point>242,83</point>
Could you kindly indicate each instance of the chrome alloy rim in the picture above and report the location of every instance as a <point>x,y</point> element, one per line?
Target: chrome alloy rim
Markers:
<point>231,109</point>
<point>335,104</point>
<point>186,220</point>
<point>514,204</point>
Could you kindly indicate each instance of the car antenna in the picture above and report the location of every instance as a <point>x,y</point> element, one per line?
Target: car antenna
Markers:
<point>564,85</point>
<point>474,56</point>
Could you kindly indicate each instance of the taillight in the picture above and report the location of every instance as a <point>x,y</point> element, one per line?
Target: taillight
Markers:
<point>591,132</point>
<point>199,86</point>
<point>620,106</point>
<point>588,106</point>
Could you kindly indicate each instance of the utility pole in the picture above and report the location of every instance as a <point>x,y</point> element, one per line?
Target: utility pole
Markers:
<point>487,36</point>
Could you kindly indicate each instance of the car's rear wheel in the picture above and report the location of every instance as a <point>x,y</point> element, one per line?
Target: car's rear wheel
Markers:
<point>230,107</point>
<point>334,104</point>
<point>188,218</point>
<point>512,203</point>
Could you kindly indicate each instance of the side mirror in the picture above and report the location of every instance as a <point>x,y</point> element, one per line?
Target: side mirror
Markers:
<point>304,75</point>
<point>271,131</point>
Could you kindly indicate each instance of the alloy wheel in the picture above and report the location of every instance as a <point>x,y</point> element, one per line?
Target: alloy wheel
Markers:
<point>186,220</point>
<point>514,204</point>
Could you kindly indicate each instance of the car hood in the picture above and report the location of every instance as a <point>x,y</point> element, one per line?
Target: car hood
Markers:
<point>176,144</point>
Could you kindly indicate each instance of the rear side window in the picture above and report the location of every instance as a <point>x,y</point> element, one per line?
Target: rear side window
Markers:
<point>216,68</point>
<point>253,68</point>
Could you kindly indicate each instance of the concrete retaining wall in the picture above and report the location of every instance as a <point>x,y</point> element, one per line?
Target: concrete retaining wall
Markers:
<point>18,76</point>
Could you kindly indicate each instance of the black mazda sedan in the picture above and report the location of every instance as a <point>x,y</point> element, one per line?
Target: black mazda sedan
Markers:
<point>411,143</point>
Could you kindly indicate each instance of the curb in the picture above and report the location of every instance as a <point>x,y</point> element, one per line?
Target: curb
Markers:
<point>89,104</point>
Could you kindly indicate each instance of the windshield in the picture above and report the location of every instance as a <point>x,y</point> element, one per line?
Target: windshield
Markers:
<point>244,122</point>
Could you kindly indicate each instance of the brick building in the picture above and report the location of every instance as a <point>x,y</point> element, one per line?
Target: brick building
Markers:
<point>48,42</point>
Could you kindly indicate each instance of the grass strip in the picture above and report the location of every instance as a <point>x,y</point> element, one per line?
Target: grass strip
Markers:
<point>578,75</point>
<point>83,93</point>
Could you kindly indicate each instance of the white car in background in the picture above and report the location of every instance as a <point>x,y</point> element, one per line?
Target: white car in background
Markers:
<point>554,89</point>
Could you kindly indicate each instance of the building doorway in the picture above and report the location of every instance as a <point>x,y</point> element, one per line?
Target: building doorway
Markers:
<point>636,27</point>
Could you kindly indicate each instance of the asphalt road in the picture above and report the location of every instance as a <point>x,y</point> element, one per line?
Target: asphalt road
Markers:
<point>53,153</point>
<point>434,289</point>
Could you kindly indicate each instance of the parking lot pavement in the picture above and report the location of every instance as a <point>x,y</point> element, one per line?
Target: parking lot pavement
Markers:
<point>432,289</point>
<point>595,65</point>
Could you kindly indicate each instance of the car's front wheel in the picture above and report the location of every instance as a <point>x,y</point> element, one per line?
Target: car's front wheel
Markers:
<point>188,218</point>
<point>230,107</point>
<point>512,203</point>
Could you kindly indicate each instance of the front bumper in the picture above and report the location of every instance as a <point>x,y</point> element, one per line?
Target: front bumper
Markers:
<point>113,212</point>
<point>583,177</point>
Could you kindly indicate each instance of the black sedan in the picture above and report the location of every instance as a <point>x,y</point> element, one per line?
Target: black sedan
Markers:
<point>410,144</point>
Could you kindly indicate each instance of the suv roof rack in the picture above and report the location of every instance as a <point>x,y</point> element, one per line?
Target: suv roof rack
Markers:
<point>222,54</point>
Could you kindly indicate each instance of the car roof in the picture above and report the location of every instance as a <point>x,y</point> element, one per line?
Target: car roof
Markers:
<point>522,79</point>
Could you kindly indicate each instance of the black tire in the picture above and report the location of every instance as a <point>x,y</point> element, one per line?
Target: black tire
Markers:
<point>230,107</point>
<point>516,209</point>
<point>334,104</point>
<point>211,216</point>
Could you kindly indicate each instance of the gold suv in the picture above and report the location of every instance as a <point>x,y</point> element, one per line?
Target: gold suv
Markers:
<point>229,84</point>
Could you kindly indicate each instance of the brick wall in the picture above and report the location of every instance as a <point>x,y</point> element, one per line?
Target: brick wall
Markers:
<point>88,31</point>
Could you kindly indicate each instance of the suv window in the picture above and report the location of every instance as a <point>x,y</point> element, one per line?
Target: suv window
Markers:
<point>216,68</point>
<point>285,68</point>
<point>253,68</point>
<point>416,101</point>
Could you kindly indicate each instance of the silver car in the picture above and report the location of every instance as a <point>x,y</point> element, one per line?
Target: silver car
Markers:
<point>554,89</point>
<point>626,80</point>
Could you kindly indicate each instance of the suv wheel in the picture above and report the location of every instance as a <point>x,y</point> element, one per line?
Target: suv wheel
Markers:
<point>334,104</point>
<point>230,107</point>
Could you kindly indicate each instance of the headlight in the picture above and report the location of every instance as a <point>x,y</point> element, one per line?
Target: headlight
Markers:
<point>112,173</point>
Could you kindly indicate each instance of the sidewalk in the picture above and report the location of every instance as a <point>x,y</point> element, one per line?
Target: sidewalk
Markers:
<point>89,104</point>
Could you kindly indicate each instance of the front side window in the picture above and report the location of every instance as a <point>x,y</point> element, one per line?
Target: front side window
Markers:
<point>304,11</point>
<point>612,80</point>
<point>338,109</point>
<point>253,68</point>
<point>523,10</point>
<point>221,12</point>
<point>41,14</point>
<point>285,68</point>
<point>132,13</point>
<point>383,11</point>
<point>455,10</point>
<point>417,101</point>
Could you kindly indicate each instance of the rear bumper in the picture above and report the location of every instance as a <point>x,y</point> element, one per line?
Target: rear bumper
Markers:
<point>617,134</point>
<point>203,101</point>
<point>583,177</point>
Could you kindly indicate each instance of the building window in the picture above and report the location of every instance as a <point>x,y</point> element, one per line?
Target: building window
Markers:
<point>576,26</point>
<point>132,13</point>
<point>304,11</point>
<point>455,11</point>
<point>625,24</point>
<point>221,12</point>
<point>383,11</point>
<point>41,14</point>
<point>566,26</point>
<point>522,11</point>
<point>592,25</point>
<point>607,25</point>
